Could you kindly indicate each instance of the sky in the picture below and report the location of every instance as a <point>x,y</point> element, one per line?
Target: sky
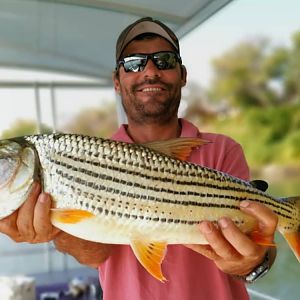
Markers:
<point>238,21</point>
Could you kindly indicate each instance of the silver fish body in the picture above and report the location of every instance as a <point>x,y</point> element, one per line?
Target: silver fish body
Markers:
<point>114,192</point>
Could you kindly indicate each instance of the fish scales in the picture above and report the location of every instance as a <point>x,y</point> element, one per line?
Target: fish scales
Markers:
<point>143,195</point>
<point>139,186</point>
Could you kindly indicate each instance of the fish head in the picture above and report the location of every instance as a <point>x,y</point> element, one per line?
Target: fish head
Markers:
<point>17,173</point>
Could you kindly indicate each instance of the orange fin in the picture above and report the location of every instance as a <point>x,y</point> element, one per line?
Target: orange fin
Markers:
<point>150,255</point>
<point>70,216</point>
<point>259,239</point>
<point>179,148</point>
<point>293,239</point>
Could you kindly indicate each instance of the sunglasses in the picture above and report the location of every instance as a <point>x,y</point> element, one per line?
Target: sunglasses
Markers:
<point>163,60</point>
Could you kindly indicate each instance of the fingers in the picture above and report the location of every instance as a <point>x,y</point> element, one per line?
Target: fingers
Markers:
<point>242,244</point>
<point>218,241</point>
<point>31,222</point>
<point>18,226</point>
<point>233,251</point>
<point>267,219</point>
<point>44,230</point>
<point>205,250</point>
<point>24,221</point>
<point>229,242</point>
<point>8,226</point>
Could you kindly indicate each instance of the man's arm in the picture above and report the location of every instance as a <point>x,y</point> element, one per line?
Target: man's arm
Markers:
<point>31,223</point>
<point>85,252</point>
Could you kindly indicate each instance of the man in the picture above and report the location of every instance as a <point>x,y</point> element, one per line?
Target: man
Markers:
<point>149,76</point>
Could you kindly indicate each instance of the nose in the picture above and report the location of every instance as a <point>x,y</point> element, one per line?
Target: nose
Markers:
<point>151,70</point>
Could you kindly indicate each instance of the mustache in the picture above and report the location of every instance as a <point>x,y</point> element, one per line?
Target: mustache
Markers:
<point>150,81</point>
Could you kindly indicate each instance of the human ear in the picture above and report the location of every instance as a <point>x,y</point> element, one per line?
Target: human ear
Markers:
<point>116,81</point>
<point>183,75</point>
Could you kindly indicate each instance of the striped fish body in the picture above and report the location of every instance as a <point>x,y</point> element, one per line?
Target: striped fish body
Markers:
<point>113,192</point>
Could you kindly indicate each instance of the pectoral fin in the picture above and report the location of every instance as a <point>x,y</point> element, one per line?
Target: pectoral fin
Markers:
<point>150,255</point>
<point>69,216</point>
<point>259,239</point>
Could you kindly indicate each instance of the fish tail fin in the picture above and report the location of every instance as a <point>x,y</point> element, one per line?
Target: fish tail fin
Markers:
<point>293,237</point>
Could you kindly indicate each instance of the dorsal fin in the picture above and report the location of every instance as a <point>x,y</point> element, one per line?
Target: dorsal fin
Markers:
<point>260,184</point>
<point>179,148</point>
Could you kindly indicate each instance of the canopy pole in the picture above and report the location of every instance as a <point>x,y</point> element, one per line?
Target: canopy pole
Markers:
<point>122,118</point>
<point>53,108</point>
<point>37,108</point>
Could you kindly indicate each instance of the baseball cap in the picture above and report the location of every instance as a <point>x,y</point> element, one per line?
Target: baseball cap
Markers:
<point>145,25</point>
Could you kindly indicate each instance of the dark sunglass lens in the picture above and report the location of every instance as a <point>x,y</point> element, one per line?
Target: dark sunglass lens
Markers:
<point>165,60</point>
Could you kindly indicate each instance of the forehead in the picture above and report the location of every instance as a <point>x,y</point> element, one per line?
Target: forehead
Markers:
<point>155,44</point>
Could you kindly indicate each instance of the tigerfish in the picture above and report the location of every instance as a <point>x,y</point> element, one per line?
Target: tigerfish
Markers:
<point>144,195</point>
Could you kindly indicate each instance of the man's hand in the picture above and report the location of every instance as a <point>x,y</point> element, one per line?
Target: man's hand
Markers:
<point>31,222</point>
<point>232,251</point>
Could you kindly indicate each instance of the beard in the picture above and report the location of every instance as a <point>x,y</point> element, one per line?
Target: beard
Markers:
<point>157,109</point>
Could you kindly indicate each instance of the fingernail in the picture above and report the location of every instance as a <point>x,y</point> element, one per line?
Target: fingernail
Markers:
<point>43,198</point>
<point>245,204</point>
<point>206,227</point>
<point>223,222</point>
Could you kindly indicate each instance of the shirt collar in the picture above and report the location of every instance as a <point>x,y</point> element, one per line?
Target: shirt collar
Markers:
<point>187,130</point>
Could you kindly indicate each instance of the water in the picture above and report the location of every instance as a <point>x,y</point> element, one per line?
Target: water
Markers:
<point>282,282</point>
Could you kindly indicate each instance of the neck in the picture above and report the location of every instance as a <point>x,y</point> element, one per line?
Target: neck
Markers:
<point>154,132</point>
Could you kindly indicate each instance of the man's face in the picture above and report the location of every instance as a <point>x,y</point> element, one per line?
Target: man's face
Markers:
<point>151,95</point>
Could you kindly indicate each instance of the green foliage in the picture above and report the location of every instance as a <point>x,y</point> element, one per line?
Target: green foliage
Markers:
<point>275,63</point>
<point>241,75</point>
<point>291,147</point>
<point>292,74</point>
<point>94,121</point>
<point>261,85</point>
<point>23,127</point>
<point>245,75</point>
<point>270,135</point>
